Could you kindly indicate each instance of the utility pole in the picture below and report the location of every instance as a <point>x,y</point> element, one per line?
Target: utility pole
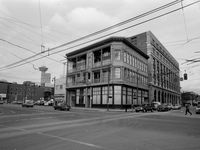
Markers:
<point>137,78</point>
<point>108,90</point>
<point>54,85</point>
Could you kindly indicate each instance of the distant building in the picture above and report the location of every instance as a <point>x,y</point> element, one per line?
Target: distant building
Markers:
<point>3,89</point>
<point>112,72</point>
<point>163,69</point>
<point>27,90</point>
<point>60,85</point>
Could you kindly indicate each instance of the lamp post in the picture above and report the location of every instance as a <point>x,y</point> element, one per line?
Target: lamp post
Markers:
<point>108,90</point>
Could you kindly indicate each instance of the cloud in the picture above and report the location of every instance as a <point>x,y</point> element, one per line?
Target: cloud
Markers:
<point>89,19</point>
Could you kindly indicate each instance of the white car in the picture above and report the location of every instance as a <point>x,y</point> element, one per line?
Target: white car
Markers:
<point>176,107</point>
<point>49,103</point>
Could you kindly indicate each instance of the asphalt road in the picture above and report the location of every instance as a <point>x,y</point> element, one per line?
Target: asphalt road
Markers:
<point>42,128</point>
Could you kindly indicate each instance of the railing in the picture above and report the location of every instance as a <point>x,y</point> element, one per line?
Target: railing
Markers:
<point>97,80</point>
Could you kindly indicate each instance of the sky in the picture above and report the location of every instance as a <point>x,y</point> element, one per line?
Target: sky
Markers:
<point>25,25</point>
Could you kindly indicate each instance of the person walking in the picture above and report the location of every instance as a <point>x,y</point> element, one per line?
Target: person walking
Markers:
<point>187,109</point>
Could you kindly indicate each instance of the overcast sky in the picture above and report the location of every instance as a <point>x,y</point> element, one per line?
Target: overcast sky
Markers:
<point>30,23</point>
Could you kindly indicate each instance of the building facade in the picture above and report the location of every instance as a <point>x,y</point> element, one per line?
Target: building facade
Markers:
<point>60,86</point>
<point>27,90</point>
<point>163,69</point>
<point>110,73</point>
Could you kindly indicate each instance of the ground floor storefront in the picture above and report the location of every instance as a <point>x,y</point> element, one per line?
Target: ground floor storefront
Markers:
<point>164,96</point>
<point>120,96</point>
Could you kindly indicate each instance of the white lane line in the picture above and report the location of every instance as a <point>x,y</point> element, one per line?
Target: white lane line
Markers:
<point>71,140</point>
<point>27,119</point>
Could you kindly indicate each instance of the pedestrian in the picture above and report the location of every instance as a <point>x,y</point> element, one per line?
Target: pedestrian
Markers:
<point>187,109</point>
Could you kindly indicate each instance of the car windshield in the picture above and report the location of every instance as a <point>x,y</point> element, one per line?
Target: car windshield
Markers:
<point>28,101</point>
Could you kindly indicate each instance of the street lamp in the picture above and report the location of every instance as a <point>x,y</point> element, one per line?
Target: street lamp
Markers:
<point>108,90</point>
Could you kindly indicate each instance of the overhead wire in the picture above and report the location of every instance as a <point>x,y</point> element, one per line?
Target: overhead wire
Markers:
<point>26,49</point>
<point>3,68</point>
<point>184,20</point>
<point>103,30</point>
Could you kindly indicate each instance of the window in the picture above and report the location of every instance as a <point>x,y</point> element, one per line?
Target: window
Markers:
<point>124,56</point>
<point>61,86</point>
<point>117,54</point>
<point>133,63</point>
<point>131,59</point>
<point>117,94</point>
<point>117,73</point>
<point>128,58</point>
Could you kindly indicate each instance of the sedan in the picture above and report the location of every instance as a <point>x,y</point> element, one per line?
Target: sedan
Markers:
<point>139,108</point>
<point>162,107</point>
<point>28,103</point>
<point>61,106</point>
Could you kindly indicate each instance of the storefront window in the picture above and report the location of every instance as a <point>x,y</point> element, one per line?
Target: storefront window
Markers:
<point>96,95</point>
<point>117,95</point>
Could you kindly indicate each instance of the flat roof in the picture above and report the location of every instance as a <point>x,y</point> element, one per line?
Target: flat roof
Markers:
<point>106,41</point>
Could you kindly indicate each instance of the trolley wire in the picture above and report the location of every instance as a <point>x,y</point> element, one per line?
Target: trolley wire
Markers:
<point>101,31</point>
<point>10,67</point>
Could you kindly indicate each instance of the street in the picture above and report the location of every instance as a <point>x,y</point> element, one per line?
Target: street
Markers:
<point>43,128</point>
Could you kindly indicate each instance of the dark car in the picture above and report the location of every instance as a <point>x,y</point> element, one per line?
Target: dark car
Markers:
<point>163,107</point>
<point>28,103</point>
<point>61,106</point>
<point>197,109</point>
<point>147,107</point>
<point>139,108</point>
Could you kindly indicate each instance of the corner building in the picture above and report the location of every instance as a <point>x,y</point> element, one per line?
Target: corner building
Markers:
<point>163,69</point>
<point>110,73</point>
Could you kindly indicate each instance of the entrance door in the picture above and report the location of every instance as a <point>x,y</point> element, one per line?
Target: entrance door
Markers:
<point>88,104</point>
<point>73,100</point>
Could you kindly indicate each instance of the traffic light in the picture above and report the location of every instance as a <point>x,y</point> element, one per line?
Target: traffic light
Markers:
<point>185,76</point>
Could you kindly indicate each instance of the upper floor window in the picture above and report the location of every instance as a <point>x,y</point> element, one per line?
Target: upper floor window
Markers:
<point>117,54</point>
<point>106,53</point>
<point>125,56</point>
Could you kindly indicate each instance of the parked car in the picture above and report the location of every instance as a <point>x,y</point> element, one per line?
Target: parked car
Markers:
<point>139,108</point>
<point>61,106</point>
<point>14,102</point>
<point>147,107</point>
<point>163,107</point>
<point>197,109</point>
<point>28,103</point>
<point>170,106</point>
<point>155,105</point>
<point>176,107</point>
<point>49,103</point>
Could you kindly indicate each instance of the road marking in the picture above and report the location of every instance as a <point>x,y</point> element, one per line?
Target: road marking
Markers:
<point>71,140</point>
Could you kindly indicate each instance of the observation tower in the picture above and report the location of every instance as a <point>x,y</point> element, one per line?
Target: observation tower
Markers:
<point>43,69</point>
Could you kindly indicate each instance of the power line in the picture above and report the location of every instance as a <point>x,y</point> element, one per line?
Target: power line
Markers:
<point>26,49</point>
<point>184,20</point>
<point>42,38</point>
<point>103,30</point>
<point>4,68</point>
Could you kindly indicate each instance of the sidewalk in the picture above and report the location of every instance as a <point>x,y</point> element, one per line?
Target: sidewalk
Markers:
<point>99,109</point>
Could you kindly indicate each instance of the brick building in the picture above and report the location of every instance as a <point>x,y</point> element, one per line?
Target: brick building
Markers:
<point>163,69</point>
